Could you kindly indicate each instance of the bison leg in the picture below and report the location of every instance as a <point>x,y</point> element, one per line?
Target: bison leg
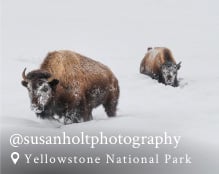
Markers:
<point>72,117</point>
<point>85,110</point>
<point>87,113</point>
<point>110,106</point>
<point>90,114</point>
<point>160,78</point>
<point>176,82</point>
<point>68,120</point>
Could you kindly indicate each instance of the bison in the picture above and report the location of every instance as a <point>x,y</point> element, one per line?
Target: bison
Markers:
<point>68,86</point>
<point>160,64</point>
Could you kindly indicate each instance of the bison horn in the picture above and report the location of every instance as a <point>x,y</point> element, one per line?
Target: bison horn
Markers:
<point>23,74</point>
<point>149,48</point>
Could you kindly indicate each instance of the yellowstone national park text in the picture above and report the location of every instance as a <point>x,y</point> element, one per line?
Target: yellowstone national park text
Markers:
<point>109,159</point>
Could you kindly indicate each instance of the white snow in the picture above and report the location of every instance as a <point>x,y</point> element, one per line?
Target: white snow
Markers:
<point>118,33</point>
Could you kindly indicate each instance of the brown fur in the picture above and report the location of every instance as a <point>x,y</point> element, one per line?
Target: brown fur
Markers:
<point>153,60</point>
<point>73,69</point>
<point>83,84</point>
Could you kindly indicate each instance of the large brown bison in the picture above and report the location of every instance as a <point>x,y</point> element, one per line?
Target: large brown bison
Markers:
<point>69,85</point>
<point>160,64</point>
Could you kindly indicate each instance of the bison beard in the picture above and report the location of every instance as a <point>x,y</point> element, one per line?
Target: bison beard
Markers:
<point>69,85</point>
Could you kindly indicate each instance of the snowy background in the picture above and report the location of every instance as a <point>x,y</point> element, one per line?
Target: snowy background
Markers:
<point>117,33</point>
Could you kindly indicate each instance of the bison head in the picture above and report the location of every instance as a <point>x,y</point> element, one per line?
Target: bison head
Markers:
<point>169,73</point>
<point>41,87</point>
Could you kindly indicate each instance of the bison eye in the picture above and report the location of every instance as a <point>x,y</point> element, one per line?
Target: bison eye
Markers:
<point>45,89</point>
<point>40,83</point>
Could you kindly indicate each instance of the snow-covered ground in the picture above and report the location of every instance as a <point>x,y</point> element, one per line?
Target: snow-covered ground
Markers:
<point>117,33</point>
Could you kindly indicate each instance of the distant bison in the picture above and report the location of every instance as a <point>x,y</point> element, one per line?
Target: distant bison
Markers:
<point>159,64</point>
<point>68,86</point>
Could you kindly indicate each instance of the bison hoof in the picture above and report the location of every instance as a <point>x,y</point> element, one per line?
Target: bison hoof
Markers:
<point>68,121</point>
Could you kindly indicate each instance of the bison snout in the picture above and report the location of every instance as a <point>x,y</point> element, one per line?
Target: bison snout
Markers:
<point>169,77</point>
<point>36,109</point>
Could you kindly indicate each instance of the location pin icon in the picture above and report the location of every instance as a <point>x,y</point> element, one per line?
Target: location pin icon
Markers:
<point>15,156</point>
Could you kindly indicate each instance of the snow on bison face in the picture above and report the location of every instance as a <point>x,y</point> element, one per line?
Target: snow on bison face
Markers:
<point>40,94</point>
<point>40,89</point>
<point>169,72</point>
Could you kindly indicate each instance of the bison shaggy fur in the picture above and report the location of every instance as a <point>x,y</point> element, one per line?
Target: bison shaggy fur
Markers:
<point>160,64</point>
<point>69,85</point>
